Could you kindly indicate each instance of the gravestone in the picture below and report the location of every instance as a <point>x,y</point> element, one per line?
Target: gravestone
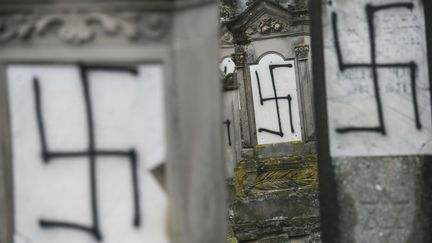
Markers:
<point>231,100</point>
<point>276,180</point>
<point>105,126</point>
<point>69,126</point>
<point>274,84</point>
<point>373,100</point>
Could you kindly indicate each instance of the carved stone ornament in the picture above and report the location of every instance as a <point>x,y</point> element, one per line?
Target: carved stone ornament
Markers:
<point>226,38</point>
<point>239,56</point>
<point>268,18</point>
<point>267,25</point>
<point>80,28</point>
<point>239,59</point>
<point>302,51</point>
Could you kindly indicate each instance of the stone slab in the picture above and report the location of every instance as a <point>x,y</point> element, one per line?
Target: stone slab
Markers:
<point>379,199</point>
<point>377,78</point>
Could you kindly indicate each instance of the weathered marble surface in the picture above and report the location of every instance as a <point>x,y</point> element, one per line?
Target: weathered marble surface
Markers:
<point>275,77</point>
<point>128,113</point>
<point>353,91</point>
<point>380,199</point>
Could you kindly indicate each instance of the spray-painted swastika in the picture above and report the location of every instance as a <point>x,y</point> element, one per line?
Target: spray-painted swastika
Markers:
<point>377,80</point>
<point>93,153</point>
<point>374,66</point>
<point>276,100</point>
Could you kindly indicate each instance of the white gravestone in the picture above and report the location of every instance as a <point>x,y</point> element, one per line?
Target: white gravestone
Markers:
<point>377,79</point>
<point>232,136</point>
<point>275,97</point>
<point>227,65</point>
<point>116,116</point>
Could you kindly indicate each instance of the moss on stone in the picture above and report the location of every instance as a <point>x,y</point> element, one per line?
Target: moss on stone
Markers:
<point>256,177</point>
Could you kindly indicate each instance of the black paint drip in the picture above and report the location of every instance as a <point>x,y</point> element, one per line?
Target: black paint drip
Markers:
<point>228,125</point>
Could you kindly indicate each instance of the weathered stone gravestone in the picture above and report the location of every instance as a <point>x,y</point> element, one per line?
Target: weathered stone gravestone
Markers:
<point>373,119</point>
<point>101,142</point>
<point>275,187</point>
<point>231,100</point>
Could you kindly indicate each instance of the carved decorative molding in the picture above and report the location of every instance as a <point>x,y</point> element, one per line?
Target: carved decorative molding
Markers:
<point>239,56</point>
<point>296,174</point>
<point>239,59</point>
<point>289,4</point>
<point>225,36</point>
<point>267,25</point>
<point>77,28</point>
<point>266,18</point>
<point>227,9</point>
<point>302,51</point>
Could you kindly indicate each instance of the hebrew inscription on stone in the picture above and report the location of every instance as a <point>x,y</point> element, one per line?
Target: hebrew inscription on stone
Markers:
<point>377,80</point>
<point>275,97</point>
<point>85,140</point>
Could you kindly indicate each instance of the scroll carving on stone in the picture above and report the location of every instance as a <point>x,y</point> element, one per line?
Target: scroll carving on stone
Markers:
<point>82,27</point>
<point>267,25</point>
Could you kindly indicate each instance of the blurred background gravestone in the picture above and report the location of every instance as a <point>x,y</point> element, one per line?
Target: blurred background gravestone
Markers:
<point>106,129</point>
<point>274,185</point>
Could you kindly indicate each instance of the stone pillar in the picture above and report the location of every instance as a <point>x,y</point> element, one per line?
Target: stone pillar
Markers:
<point>239,58</point>
<point>197,176</point>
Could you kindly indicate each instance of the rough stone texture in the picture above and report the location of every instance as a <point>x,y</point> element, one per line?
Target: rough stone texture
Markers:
<point>275,196</point>
<point>380,197</point>
<point>275,188</point>
<point>285,149</point>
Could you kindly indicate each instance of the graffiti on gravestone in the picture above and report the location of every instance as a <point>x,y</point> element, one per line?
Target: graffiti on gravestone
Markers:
<point>228,129</point>
<point>93,138</point>
<point>92,153</point>
<point>377,78</point>
<point>275,98</point>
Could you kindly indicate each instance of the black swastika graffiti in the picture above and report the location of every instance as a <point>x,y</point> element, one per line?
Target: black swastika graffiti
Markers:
<point>92,153</point>
<point>374,67</point>
<point>276,99</point>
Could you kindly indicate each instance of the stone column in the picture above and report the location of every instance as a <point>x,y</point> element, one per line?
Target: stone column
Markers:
<point>196,178</point>
<point>239,58</point>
